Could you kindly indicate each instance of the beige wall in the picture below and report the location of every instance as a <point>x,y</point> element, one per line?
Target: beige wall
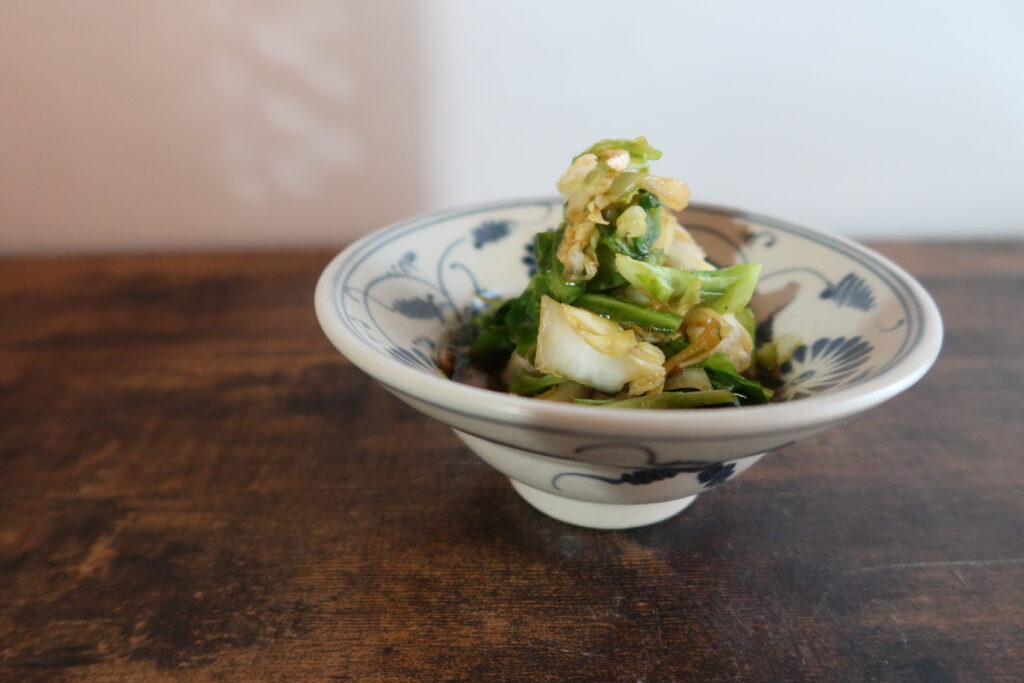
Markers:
<point>179,124</point>
<point>203,123</point>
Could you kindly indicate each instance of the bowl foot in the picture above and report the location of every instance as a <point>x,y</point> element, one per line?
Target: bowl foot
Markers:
<point>600,515</point>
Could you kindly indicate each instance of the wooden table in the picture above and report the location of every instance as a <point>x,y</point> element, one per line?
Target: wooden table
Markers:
<point>195,486</point>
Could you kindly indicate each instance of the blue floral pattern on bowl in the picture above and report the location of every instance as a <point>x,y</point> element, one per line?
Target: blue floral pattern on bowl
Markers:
<point>824,364</point>
<point>708,474</point>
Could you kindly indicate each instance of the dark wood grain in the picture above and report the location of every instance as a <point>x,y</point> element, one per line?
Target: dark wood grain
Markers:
<point>195,486</point>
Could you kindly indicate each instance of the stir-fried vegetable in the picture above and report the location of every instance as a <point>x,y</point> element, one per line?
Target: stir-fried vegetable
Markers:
<point>587,348</point>
<point>724,291</point>
<point>723,375</point>
<point>672,399</point>
<point>624,310</point>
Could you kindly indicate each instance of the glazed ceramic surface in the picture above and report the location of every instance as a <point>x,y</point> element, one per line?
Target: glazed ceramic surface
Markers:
<point>869,332</point>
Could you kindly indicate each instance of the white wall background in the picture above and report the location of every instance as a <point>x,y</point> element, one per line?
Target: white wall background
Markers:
<point>234,123</point>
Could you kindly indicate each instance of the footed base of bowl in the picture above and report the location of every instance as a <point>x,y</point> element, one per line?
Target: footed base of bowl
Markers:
<point>600,515</point>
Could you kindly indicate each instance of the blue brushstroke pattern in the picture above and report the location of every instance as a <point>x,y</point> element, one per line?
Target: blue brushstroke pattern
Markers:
<point>489,231</point>
<point>851,291</point>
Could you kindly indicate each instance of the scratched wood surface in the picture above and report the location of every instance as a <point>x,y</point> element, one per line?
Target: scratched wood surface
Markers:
<point>195,486</point>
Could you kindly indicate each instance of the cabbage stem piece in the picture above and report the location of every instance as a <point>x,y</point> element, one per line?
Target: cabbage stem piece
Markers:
<point>690,378</point>
<point>527,383</point>
<point>724,291</point>
<point>566,392</point>
<point>673,193</point>
<point>586,348</point>
<point>680,249</point>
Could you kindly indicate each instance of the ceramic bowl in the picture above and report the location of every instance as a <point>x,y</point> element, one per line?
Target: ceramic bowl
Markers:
<point>869,331</point>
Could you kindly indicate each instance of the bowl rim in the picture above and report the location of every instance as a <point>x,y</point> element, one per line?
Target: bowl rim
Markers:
<point>569,419</point>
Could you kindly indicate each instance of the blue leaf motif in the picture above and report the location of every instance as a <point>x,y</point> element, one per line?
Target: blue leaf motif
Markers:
<point>716,474</point>
<point>825,364</point>
<point>489,231</point>
<point>769,238</point>
<point>415,359</point>
<point>708,474</point>
<point>635,478</point>
<point>417,308</point>
<point>640,477</point>
<point>852,291</point>
<point>425,342</point>
<point>405,265</point>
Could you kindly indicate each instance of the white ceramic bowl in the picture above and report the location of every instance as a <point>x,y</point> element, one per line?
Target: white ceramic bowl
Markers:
<point>870,331</point>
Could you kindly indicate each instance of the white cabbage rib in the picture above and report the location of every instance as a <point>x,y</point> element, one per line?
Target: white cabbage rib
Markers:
<point>673,193</point>
<point>736,343</point>
<point>586,348</point>
<point>681,251</point>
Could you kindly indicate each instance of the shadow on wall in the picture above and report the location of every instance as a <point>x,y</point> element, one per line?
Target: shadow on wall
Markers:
<point>208,123</point>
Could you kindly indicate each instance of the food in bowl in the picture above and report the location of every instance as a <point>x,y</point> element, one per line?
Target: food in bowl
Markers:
<point>624,309</point>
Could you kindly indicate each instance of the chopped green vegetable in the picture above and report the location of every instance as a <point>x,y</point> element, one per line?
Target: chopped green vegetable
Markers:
<point>786,345</point>
<point>638,247</point>
<point>669,400</point>
<point>550,278</point>
<point>494,341</point>
<point>745,317</point>
<point>672,347</point>
<point>527,383</point>
<point>640,151</point>
<point>512,325</point>
<point>607,276</point>
<point>626,185</point>
<point>734,295</point>
<point>724,291</point>
<point>771,355</point>
<point>566,392</point>
<point>723,375</point>
<point>767,356</point>
<point>622,311</point>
